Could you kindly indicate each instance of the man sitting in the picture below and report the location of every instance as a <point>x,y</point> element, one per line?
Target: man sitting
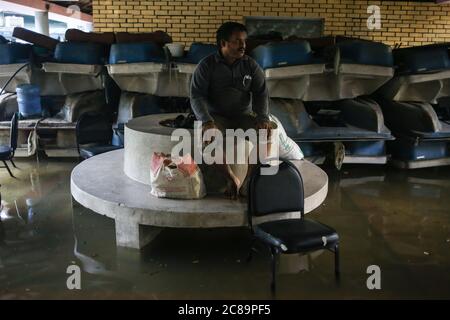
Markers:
<point>228,91</point>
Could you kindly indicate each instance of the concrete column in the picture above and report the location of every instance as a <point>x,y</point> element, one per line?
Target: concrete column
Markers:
<point>41,22</point>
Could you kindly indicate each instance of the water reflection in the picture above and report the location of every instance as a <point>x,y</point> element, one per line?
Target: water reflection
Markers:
<point>407,214</point>
<point>296,263</point>
<point>369,186</point>
<point>381,214</point>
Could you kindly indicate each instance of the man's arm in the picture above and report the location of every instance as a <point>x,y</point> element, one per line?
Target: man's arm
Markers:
<point>199,92</point>
<point>260,93</point>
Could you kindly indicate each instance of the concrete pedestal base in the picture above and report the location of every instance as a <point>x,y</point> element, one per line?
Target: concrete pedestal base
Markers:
<point>101,185</point>
<point>131,234</point>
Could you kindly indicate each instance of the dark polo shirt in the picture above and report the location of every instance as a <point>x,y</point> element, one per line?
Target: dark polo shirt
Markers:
<point>229,91</point>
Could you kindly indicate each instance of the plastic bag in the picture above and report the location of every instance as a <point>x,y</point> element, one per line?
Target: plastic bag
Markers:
<point>178,178</point>
<point>287,148</point>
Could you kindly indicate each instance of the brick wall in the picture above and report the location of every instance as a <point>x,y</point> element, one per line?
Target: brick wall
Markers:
<point>408,23</point>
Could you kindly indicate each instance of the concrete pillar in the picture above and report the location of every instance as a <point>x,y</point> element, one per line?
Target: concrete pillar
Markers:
<point>41,22</point>
<point>130,234</point>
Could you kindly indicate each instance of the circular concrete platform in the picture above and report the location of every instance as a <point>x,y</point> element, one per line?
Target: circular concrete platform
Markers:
<point>101,185</point>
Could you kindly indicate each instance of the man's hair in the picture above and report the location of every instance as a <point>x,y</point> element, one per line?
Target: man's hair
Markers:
<point>226,30</point>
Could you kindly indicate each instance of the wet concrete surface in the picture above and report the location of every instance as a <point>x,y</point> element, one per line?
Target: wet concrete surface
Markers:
<point>395,219</point>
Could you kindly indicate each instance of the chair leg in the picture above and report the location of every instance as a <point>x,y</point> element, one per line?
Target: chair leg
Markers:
<point>274,255</point>
<point>250,253</point>
<point>2,232</point>
<point>337,271</point>
<point>7,168</point>
<point>14,165</point>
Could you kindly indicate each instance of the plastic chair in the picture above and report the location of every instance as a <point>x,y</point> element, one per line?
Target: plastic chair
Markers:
<point>94,135</point>
<point>7,151</point>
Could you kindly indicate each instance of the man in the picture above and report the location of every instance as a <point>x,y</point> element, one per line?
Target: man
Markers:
<point>228,91</point>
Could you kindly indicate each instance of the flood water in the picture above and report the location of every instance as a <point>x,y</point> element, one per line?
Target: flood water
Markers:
<point>395,219</point>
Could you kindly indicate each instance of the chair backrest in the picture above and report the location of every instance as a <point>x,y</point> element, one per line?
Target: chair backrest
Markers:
<point>278,193</point>
<point>94,128</point>
<point>14,131</point>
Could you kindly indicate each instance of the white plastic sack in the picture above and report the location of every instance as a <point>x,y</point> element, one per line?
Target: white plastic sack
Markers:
<point>287,148</point>
<point>178,178</point>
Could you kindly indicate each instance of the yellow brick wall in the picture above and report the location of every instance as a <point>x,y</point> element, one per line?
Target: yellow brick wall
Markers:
<point>408,23</point>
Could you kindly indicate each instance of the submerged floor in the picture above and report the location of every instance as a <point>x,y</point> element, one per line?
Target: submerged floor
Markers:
<point>398,220</point>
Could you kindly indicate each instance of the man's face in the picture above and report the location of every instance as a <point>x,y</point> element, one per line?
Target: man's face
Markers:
<point>234,48</point>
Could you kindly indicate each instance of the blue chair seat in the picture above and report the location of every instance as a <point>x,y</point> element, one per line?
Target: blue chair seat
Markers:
<point>79,53</point>
<point>136,53</point>
<point>90,151</point>
<point>5,152</point>
<point>297,235</point>
<point>366,52</point>
<point>283,54</point>
<point>14,53</point>
<point>197,52</point>
<point>444,133</point>
<point>422,59</point>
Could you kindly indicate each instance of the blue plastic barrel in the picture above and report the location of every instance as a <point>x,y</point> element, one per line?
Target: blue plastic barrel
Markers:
<point>29,100</point>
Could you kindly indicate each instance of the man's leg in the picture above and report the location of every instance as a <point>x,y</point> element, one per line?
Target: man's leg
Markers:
<point>335,154</point>
<point>266,146</point>
<point>339,154</point>
<point>232,180</point>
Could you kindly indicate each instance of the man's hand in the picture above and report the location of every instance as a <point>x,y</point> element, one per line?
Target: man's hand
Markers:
<point>264,124</point>
<point>205,127</point>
